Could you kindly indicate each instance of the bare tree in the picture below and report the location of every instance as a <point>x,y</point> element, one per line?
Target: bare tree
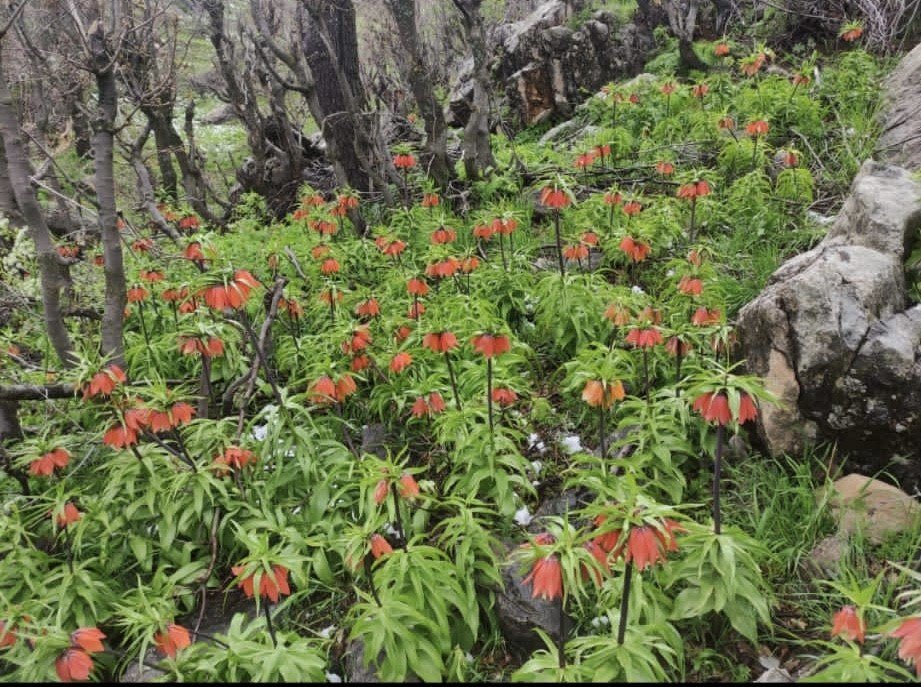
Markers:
<point>148,66</point>
<point>100,57</point>
<point>421,81</point>
<point>19,172</point>
<point>477,149</point>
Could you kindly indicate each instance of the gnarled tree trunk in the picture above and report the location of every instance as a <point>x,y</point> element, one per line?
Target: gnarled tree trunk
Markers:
<point>420,80</point>
<point>477,148</point>
<point>51,269</point>
<point>103,158</point>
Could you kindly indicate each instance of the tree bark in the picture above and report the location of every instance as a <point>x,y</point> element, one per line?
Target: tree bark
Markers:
<point>50,267</point>
<point>103,151</point>
<point>420,80</point>
<point>8,206</point>
<point>477,148</point>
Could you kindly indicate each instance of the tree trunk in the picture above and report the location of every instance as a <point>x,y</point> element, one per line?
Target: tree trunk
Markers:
<point>332,62</point>
<point>168,180</point>
<point>103,143</point>
<point>50,268</point>
<point>170,143</point>
<point>477,148</point>
<point>420,80</point>
<point>8,206</point>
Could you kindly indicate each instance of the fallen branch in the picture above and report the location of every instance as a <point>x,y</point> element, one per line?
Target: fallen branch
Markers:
<point>37,392</point>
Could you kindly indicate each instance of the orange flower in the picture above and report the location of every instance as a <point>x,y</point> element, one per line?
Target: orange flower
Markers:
<point>690,286</point>
<point>368,308</point>
<point>668,88</point>
<point>445,268</point>
<point>46,465</point>
<point>443,235</point>
<point>713,407</point>
<point>7,637</point>
<point>675,345</point>
<point>847,623</point>
<point>142,245</point>
<point>644,337</point>
<point>554,198</point>
<point>120,436</point>
<point>700,90</point>
<point>632,207</point>
<point>380,546</point>
<point>407,487</point>
<point>483,231</point>
<point>600,555</point>
<point>359,363</point>
<point>618,314</point>
<point>430,200</point>
<point>547,578</point>
<point>609,541</point>
<point>613,198</point>
<point>589,238</point>
<point>270,586</point>
<point>909,632</point>
<point>323,390</point>
<point>851,33</point>
<point>69,514</point>
<point>747,408</point>
<point>88,638</point>
<point>417,287</point>
<point>319,251</point>
<point>434,405</point>
<point>726,123</point>
<point>599,393</point>
<point>137,294</point>
<point>504,396</point>
<point>394,248</point>
<point>400,362</point>
<point>665,168</point>
<point>635,250</point>
<point>152,276</point>
<point>345,387</point>
<point>585,160</point>
<point>402,333</point>
<point>721,49</point>
<point>801,79</point>
<point>234,457</point>
<point>469,264</point>
<point>175,637</point>
<point>644,547</point>
<point>193,252</point>
<point>703,317</point>
<point>380,491</point>
<point>329,266</point>
<point>73,665</point>
<point>575,252</point>
<point>757,128</point>
<point>189,222</point>
<point>439,342</point>
<point>667,534</point>
<point>491,344</point>
<point>404,161</point>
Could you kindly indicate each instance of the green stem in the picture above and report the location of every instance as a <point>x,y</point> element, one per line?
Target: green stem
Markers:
<point>492,435</point>
<point>268,622</point>
<point>559,241</point>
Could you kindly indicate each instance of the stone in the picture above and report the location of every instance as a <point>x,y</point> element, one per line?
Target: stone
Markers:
<point>548,67</point>
<point>834,338</point>
<point>519,614</point>
<point>900,141</point>
<point>825,557</point>
<point>220,115</point>
<point>871,507</point>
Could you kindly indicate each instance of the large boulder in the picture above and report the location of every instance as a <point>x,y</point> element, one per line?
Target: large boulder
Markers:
<point>900,141</point>
<point>835,338</point>
<point>547,66</point>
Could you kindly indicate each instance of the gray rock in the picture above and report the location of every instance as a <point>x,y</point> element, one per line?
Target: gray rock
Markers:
<point>900,142</point>
<point>220,115</point>
<point>832,336</point>
<point>548,68</point>
<point>374,439</point>
<point>519,614</point>
<point>354,665</point>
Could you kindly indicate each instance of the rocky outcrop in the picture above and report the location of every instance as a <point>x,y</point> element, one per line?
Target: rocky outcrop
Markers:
<point>832,334</point>
<point>547,67</point>
<point>900,141</point>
